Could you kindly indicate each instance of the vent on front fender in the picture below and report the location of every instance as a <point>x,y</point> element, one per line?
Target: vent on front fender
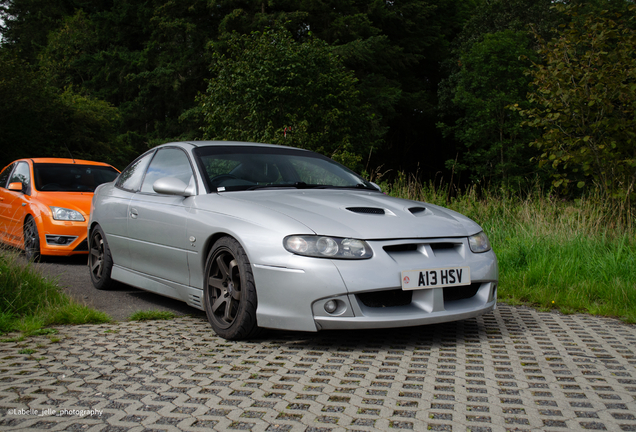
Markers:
<point>366,210</point>
<point>195,301</point>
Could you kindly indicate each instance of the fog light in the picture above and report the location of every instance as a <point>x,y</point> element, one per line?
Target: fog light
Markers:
<point>331,306</point>
<point>59,240</point>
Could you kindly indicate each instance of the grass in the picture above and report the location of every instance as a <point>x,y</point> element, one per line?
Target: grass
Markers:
<point>29,302</point>
<point>572,256</point>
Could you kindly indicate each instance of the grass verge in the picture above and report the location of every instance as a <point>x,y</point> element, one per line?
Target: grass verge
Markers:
<point>29,302</point>
<point>575,256</point>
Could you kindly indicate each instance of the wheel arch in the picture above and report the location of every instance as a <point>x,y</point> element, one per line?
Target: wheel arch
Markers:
<point>211,240</point>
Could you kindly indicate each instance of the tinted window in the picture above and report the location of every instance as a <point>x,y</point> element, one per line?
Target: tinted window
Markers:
<point>168,162</point>
<point>130,178</point>
<point>4,176</point>
<point>71,177</point>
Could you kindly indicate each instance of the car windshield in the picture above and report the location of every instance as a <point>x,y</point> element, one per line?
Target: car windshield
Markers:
<point>71,177</point>
<point>239,168</point>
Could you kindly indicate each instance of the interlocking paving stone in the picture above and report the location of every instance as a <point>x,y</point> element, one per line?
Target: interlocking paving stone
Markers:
<point>515,369</point>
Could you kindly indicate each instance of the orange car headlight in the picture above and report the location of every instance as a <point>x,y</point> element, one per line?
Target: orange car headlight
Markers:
<point>64,214</point>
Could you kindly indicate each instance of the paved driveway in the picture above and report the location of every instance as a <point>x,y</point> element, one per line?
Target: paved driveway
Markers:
<point>513,370</point>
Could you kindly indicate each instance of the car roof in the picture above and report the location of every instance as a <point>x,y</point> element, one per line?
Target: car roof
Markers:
<point>65,161</point>
<point>227,143</point>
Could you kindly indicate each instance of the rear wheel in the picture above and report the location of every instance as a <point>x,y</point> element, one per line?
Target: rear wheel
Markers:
<point>31,239</point>
<point>229,291</point>
<point>100,262</point>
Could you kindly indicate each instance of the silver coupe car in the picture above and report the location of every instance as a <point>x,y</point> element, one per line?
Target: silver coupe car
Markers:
<point>267,236</point>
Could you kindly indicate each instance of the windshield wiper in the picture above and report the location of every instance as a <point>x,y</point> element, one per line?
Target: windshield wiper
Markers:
<point>297,185</point>
<point>303,185</point>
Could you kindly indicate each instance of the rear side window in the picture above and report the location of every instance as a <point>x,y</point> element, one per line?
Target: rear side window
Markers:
<point>4,176</point>
<point>130,178</point>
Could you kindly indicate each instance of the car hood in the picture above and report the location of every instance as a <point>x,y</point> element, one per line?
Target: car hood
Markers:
<point>360,214</point>
<point>79,201</point>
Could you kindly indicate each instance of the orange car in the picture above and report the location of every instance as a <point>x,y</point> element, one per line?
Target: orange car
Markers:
<point>45,203</point>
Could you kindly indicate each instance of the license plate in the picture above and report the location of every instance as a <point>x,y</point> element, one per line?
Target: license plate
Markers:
<point>435,278</point>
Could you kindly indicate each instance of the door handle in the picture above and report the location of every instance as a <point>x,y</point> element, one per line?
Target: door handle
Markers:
<point>134,213</point>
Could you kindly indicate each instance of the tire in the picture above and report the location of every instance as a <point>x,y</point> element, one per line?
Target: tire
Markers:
<point>229,291</point>
<point>31,239</point>
<point>100,261</point>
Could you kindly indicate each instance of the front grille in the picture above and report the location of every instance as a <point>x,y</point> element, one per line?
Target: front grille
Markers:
<point>366,210</point>
<point>401,248</point>
<point>82,247</point>
<point>441,246</point>
<point>390,298</point>
<point>461,292</point>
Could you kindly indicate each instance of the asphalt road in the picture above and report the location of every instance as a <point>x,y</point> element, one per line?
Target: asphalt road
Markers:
<point>72,275</point>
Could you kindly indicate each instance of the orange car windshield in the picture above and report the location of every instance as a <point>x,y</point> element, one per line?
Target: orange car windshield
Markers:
<point>71,177</point>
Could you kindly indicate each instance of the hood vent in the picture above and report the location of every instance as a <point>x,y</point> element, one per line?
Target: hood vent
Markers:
<point>366,210</point>
<point>416,210</point>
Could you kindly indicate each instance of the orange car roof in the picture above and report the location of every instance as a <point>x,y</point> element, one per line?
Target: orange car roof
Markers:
<point>67,161</point>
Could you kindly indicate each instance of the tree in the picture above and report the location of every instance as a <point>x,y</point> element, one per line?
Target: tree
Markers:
<point>491,77</point>
<point>38,120</point>
<point>266,87</point>
<point>484,74</point>
<point>584,97</point>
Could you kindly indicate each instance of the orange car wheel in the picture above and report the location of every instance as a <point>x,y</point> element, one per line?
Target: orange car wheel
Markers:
<point>31,239</point>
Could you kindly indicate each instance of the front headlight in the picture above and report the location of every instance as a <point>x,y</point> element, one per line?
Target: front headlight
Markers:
<point>327,247</point>
<point>64,214</point>
<point>479,243</point>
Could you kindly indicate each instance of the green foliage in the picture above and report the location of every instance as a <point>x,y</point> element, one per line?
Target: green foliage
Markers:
<point>27,23</point>
<point>491,77</point>
<point>28,301</point>
<point>554,254</point>
<point>584,104</point>
<point>269,88</point>
<point>38,120</point>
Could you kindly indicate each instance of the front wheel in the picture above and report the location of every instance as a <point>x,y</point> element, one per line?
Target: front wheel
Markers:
<point>31,239</point>
<point>100,262</point>
<point>229,291</point>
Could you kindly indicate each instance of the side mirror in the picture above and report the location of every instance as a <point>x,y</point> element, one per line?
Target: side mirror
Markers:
<point>15,186</point>
<point>172,186</point>
<point>376,186</point>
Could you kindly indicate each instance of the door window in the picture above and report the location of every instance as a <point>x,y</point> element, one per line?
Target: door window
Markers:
<point>168,162</point>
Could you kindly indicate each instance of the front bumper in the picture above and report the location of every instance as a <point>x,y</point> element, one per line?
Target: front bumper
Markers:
<point>430,306</point>
<point>368,292</point>
<point>51,231</point>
